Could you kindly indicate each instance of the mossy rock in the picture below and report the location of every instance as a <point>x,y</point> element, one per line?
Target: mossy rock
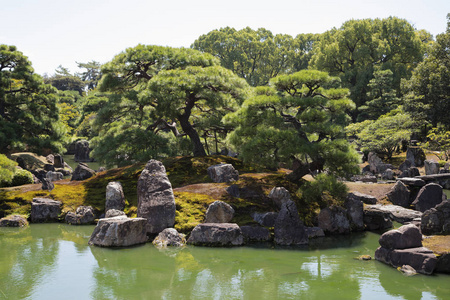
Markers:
<point>31,161</point>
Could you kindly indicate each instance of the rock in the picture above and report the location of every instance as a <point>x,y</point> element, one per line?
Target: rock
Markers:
<point>355,213</point>
<point>82,151</point>
<point>233,190</point>
<point>223,173</point>
<point>219,212</point>
<point>50,159</point>
<point>111,213</point>
<point>421,259</point>
<point>376,164</point>
<point>407,270</point>
<point>266,219</point>
<point>388,174</point>
<point>416,156</point>
<point>115,198</point>
<point>58,161</point>
<point>29,161</point>
<point>412,181</point>
<point>399,195</point>
<point>436,220</point>
<point>64,172</point>
<point>314,232</point>
<point>82,172</point>
<point>220,234</point>
<point>407,236</point>
<point>367,199</point>
<point>405,165</point>
<point>365,178</point>
<point>365,169</point>
<point>47,184</point>
<point>279,195</point>
<point>119,232</point>
<point>255,233</point>
<point>443,263</point>
<point>428,197</point>
<point>49,168</point>
<point>156,201</point>
<point>395,212</point>
<point>45,210</point>
<point>364,257</point>
<point>54,176</point>
<point>431,167</point>
<point>13,221</point>
<point>333,220</point>
<point>101,169</point>
<point>289,229</point>
<point>82,216</point>
<point>411,172</point>
<point>377,220</point>
<point>170,237</point>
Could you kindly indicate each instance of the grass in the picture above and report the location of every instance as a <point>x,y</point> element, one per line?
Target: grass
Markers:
<point>439,244</point>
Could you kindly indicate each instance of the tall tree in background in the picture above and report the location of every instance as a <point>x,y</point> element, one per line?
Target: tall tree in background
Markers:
<point>92,74</point>
<point>354,50</point>
<point>63,80</point>
<point>28,112</point>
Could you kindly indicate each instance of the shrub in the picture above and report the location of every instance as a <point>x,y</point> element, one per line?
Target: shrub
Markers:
<point>22,177</point>
<point>7,169</point>
<point>442,163</point>
<point>324,191</point>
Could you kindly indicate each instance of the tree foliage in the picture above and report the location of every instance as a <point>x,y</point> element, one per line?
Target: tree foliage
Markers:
<point>299,118</point>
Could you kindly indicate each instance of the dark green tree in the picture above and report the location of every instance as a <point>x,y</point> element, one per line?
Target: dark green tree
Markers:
<point>28,112</point>
<point>92,74</point>
<point>64,81</point>
<point>299,119</point>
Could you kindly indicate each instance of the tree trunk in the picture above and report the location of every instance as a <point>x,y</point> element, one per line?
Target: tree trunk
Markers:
<point>199,150</point>
<point>304,169</point>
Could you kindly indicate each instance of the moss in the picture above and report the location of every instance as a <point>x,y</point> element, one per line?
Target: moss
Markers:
<point>190,210</point>
<point>439,244</point>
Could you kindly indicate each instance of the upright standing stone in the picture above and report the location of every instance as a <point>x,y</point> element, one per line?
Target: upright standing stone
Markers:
<point>334,220</point>
<point>82,172</point>
<point>115,198</point>
<point>279,195</point>
<point>289,229</point>
<point>219,212</point>
<point>431,167</point>
<point>156,201</point>
<point>416,156</point>
<point>429,196</point>
<point>82,151</point>
<point>399,195</point>
<point>58,161</point>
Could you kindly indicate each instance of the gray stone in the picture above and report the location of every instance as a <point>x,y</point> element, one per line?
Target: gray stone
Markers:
<point>115,198</point>
<point>219,212</point>
<point>443,263</point>
<point>399,195</point>
<point>223,173</point>
<point>289,229</point>
<point>431,167</point>
<point>58,161</point>
<point>411,172</point>
<point>405,165</point>
<point>333,220</point>
<point>395,212</point>
<point>156,201</point>
<point>233,190</point>
<point>255,233</point>
<point>408,270</point>
<point>111,213</point>
<point>314,232</point>
<point>47,184</point>
<point>364,178</point>
<point>82,172</point>
<point>13,221</point>
<point>375,220</point>
<point>54,176</point>
<point>216,234</point>
<point>45,210</point>
<point>437,220</point>
<point>355,213</point>
<point>82,216</point>
<point>279,195</point>
<point>119,232</point>
<point>170,237</point>
<point>82,151</point>
<point>416,156</point>
<point>367,199</point>
<point>50,159</point>
<point>407,236</point>
<point>388,174</point>
<point>428,197</point>
<point>266,219</point>
<point>412,181</point>
<point>421,259</point>
<point>49,167</point>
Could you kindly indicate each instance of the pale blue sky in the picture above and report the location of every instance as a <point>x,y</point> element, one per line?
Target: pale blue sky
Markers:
<point>54,32</point>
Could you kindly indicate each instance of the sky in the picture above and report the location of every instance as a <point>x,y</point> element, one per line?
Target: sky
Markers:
<point>62,32</point>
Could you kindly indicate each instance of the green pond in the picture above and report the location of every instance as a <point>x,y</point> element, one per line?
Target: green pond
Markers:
<point>53,261</point>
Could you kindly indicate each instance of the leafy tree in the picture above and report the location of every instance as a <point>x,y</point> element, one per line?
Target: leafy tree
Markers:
<point>427,91</point>
<point>256,55</point>
<point>438,140</point>
<point>299,118</point>
<point>91,76</point>
<point>64,81</point>
<point>28,111</point>
<point>354,50</point>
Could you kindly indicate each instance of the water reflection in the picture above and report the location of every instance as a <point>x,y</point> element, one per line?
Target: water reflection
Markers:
<point>47,260</point>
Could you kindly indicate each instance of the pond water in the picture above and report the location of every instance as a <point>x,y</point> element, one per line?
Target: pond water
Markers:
<point>53,261</point>
<point>69,159</point>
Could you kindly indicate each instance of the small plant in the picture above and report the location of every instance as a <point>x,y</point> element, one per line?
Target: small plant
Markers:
<point>7,169</point>
<point>22,177</point>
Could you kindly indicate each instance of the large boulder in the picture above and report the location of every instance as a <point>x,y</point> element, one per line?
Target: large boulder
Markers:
<point>411,172</point>
<point>216,234</point>
<point>82,216</point>
<point>58,161</point>
<point>170,237</point>
<point>355,213</point>
<point>223,173</point>
<point>377,220</point>
<point>437,220</point>
<point>405,165</point>
<point>279,195</point>
<point>47,184</point>
<point>54,176</point>
<point>115,198</point>
<point>443,263</point>
<point>416,156</point>
<point>376,164</point>
<point>219,212</point>
<point>428,197</point>
<point>367,199</point>
<point>111,213</point>
<point>314,232</point>
<point>119,232</point>
<point>266,219</point>
<point>407,236</point>
<point>156,201</point>
<point>431,167</point>
<point>421,259</point>
<point>289,229</point>
<point>45,210</point>
<point>82,172</point>
<point>399,195</point>
<point>394,212</point>
<point>333,220</point>
<point>13,221</point>
<point>82,151</point>
<point>255,233</point>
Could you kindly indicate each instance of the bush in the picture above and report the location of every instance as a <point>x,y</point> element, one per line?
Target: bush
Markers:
<point>22,177</point>
<point>325,190</point>
<point>7,169</point>
<point>442,163</point>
